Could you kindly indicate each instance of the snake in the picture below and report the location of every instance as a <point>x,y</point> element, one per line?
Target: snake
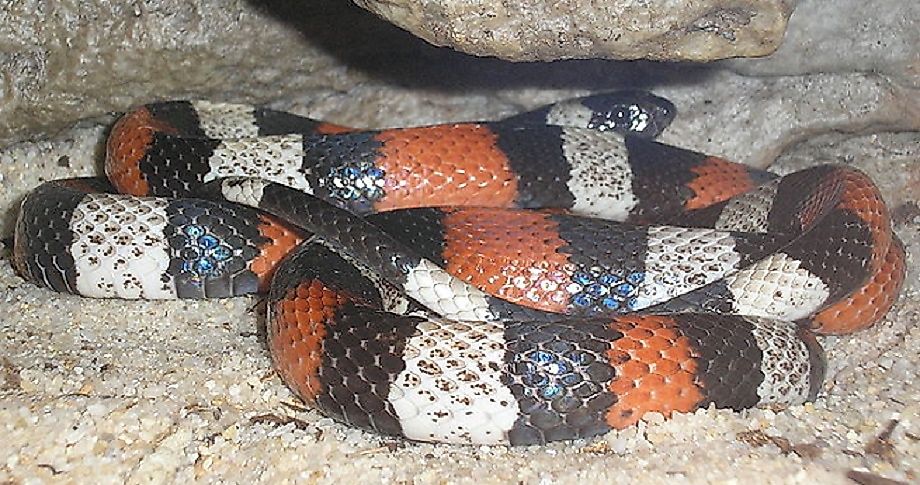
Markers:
<point>553,275</point>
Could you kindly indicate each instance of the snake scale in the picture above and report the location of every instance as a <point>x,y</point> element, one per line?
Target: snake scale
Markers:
<point>549,276</point>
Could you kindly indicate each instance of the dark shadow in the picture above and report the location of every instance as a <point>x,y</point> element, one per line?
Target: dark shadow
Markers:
<point>364,42</point>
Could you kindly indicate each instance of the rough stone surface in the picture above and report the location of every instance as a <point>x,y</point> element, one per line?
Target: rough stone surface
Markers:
<point>881,36</point>
<point>59,62</point>
<point>753,119</point>
<point>106,391</point>
<point>71,59</point>
<point>613,29</point>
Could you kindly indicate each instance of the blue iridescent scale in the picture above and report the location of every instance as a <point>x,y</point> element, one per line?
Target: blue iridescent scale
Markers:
<point>360,180</point>
<point>204,254</point>
<point>604,290</point>
<point>550,374</point>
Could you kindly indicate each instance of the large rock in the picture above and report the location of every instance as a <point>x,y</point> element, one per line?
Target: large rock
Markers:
<point>881,36</point>
<point>59,63</point>
<point>613,29</point>
<point>755,119</point>
<point>70,59</point>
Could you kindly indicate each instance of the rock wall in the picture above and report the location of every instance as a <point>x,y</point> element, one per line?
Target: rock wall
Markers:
<point>612,29</point>
<point>66,60</point>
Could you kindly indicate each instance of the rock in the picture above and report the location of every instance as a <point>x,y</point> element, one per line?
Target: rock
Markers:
<point>754,119</point>
<point>612,29</point>
<point>58,65</point>
<point>844,36</point>
<point>63,61</point>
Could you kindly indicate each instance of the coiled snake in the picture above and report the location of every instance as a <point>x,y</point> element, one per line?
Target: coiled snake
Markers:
<point>545,277</point>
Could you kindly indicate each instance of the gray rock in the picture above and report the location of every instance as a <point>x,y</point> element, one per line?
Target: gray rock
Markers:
<point>844,36</point>
<point>613,29</point>
<point>59,62</point>
<point>66,60</point>
<point>754,119</point>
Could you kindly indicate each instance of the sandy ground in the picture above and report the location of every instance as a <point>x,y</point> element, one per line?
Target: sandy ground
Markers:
<point>104,391</point>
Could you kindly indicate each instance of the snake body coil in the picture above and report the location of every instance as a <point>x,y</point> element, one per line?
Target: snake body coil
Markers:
<point>549,276</point>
